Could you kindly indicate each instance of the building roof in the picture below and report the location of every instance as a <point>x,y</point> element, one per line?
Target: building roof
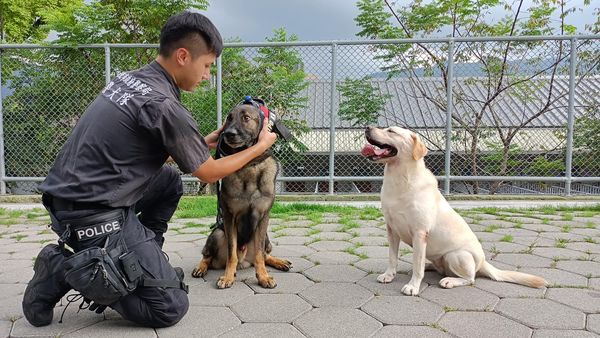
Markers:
<point>408,107</point>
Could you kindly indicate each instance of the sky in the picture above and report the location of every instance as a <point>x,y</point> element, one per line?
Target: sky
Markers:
<point>309,19</point>
<point>253,21</point>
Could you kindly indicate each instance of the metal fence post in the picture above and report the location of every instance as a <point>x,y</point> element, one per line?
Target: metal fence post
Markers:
<point>570,116</point>
<point>2,162</point>
<point>106,63</point>
<point>449,116</point>
<point>219,91</point>
<point>332,120</point>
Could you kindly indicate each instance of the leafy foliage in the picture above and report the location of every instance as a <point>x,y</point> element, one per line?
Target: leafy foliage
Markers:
<point>361,101</point>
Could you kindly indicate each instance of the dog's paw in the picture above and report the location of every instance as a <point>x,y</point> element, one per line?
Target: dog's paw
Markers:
<point>447,283</point>
<point>284,265</point>
<point>198,273</point>
<point>225,282</point>
<point>386,277</point>
<point>267,282</point>
<point>410,290</point>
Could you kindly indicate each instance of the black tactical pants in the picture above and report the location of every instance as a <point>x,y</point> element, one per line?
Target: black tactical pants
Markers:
<point>147,306</point>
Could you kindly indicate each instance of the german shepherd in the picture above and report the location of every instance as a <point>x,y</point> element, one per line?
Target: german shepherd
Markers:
<point>245,201</point>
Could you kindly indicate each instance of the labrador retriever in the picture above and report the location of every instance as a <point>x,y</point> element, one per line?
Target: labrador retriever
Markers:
<point>416,213</point>
<point>246,200</point>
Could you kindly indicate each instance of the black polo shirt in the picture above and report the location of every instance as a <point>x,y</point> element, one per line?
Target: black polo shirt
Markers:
<point>123,139</point>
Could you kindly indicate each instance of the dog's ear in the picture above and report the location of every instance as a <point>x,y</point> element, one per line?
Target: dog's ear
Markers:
<point>419,149</point>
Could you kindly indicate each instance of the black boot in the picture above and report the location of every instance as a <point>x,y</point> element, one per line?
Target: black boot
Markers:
<point>47,286</point>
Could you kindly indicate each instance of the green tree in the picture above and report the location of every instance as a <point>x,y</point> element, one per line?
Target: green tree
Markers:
<point>361,101</point>
<point>25,20</point>
<point>51,87</point>
<point>497,75</point>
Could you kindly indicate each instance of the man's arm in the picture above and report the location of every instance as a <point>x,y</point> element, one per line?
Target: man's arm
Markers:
<point>213,170</point>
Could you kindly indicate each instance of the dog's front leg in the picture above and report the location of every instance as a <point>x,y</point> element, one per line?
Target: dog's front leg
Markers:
<point>260,234</point>
<point>419,250</point>
<point>394,242</point>
<point>226,281</point>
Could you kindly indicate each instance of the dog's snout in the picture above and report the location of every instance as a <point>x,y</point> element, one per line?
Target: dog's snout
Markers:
<point>231,132</point>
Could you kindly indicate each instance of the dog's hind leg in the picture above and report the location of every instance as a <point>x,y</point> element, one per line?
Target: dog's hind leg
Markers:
<point>390,273</point>
<point>462,264</point>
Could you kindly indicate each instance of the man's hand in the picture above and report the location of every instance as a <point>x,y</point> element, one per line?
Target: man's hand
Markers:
<point>212,138</point>
<point>266,138</point>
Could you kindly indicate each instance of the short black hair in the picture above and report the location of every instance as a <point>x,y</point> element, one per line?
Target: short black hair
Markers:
<point>192,31</point>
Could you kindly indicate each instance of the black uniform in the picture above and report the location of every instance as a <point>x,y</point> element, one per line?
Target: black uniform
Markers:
<point>115,158</point>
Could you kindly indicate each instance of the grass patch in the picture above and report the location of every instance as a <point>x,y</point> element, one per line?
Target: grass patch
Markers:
<point>197,207</point>
<point>566,228</point>
<point>561,243</point>
<point>18,237</point>
<point>588,214</point>
<point>590,240</point>
<point>315,217</point>
<point>352,251</point>
<point>507,238</point>
<point>194,225</point>
<point>491,228</point>
<point>590,225</point>
<point>312,232</point>
<point>8,221</point>
<point>545,221</point>
<point>519,225</point>
<point>568,217</point>
<point>449,309</point>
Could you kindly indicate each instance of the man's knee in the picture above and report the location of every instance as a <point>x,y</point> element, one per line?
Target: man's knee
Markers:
<point>163,308</point>
<point>174,311</point>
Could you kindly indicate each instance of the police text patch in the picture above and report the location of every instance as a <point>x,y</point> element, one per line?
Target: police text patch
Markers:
<point>99,229</point>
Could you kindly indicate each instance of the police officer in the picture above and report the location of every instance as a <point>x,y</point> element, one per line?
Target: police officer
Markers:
<point>115,159</point>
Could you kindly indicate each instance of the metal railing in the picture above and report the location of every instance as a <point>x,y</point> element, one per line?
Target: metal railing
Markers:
<point>447,96</point>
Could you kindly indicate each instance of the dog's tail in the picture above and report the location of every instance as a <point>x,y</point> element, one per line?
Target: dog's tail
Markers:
<point>488,270</point>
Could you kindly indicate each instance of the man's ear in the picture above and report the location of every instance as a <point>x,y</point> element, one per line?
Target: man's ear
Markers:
<point>181,56</point>
<point>419,149</point>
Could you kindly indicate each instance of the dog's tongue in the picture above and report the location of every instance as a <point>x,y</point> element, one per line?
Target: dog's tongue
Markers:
<point>369,150</point>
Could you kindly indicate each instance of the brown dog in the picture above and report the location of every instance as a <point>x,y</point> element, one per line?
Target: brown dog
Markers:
<point>246,200</point>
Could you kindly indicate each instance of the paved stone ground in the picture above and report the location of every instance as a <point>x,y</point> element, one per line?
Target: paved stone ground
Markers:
<point>332,289</point>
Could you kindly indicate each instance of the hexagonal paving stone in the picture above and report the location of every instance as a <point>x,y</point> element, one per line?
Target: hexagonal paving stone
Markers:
<point>593,323</point>
<point>204,321</point>
<point>508,290</point>
<point>503,247</point>
<point>595,283</point>
<point>370,240</point>
<point>332,236</point>
<point>488,236</point>
<point>373,251</point>
<point>562,235</point>
<point>286,283</point>
<point>334,273</point>
<point>482,324</point>
<point>535,241</point>
<point>583,299</point>
<point>73,320</point>
<point>331,245</point>
<point>328,227</point>
<point>379,265</point>
<point>403,310</point>
<point>368,231</point>
<point>336,294</point>
<point>291,240</point>
<point>584,268</point>
<point>461,298</point>
<point>585,247</point>
<point>333,257</point>
<point>541,313</point>
<point>524,260</point>
<point>388,289</point>
<point>270,308</point>
<point>114,328</point>
<point>293,232</point>
<point>263,330</point>
<point>563,334</point>
<point>299,264</point>
<point>336,322</point>
<point>291,251</point>
<point>5,326</point>
<point>560,253</point>
<point>556,277</point>
<point>208,294</point>
<point>300,223</point>
<point>397,331</point>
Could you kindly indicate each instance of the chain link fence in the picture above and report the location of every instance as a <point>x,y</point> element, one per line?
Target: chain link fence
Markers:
<point>499,115</point>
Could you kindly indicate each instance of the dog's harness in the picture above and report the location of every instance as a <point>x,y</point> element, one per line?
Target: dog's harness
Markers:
<point>221,151</point>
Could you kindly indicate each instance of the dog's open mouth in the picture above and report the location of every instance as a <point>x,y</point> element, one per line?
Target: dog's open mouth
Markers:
<point>375,151</point>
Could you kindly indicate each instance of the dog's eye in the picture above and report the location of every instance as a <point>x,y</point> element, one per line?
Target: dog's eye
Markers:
<point>391,131</point>
<point>246,118</point>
